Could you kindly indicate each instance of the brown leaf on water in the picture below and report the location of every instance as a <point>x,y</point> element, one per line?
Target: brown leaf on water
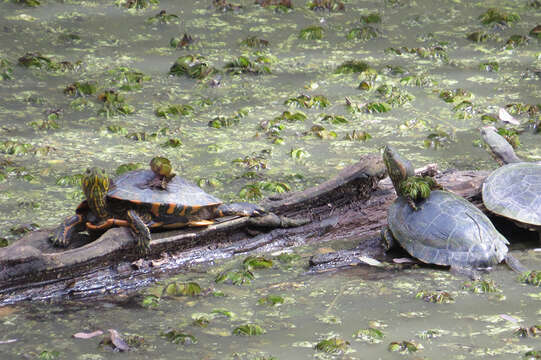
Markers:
<point>82,335</point>
<point>7,310</point>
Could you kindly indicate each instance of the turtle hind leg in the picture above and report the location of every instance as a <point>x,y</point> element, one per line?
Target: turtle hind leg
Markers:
<point>140,231</point>
<point>469,272</point>
<point>239,209</point>
<point>70,226</point>
<point>514,264</point>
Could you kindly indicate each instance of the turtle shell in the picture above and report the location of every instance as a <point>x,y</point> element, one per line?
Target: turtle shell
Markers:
<point>514,191</point>
<point>446,230</point>
<point>131,186</point>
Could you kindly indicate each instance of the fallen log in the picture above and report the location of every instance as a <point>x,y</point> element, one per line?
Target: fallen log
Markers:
<point>351,205</point>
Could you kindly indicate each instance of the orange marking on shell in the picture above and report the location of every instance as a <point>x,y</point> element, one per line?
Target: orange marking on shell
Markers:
<point>183,211</point>
<point>171,209</point>
<point>155,209</point>
<point>156,225</point>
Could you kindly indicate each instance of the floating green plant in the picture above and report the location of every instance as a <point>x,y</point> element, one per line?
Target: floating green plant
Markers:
<point>370,335</point>
<point>536,32</point>
<point>254,191</point>
<point>167,111</point>
<point>321,132</point>
<point>15,148</point>
<point>255,42</point>
<point>243,65</point>
<point>532,331</point>
<point>23,229</point>
<point>299,153</point>
<point>307,101</point>
<point>31,3</point>
<point>330,5</point>
<point>455,95</point>
<point>494,15</point>
<point>436,297</point>
<point>354,66</point>
<point>114,104</point>
<point>3,242</point>
<point>223,5</point>
<point>311,33</point>
<point>69,180</point>
<point>182,289</point>
<point>81,88</point>
<point>248,330</point>
<point>49,123</point>
<point>183,42</point>
<point>256,262</point>
<point>478,37</point>
<point>358,135</point>
<point>373,18</point>
<point>364,33</point>
<point>271,300</point>
<point>438,139</point>
<point>490,66</point>
<point>177,337</point>
<point>192,66</point>
<point>163,18</point>
<point>256,161</point>
<point>417,80</point>
<point>48,355</point>
<point>136,4</point>
<point>531,277</point>
<point>150,301</point>
<point>291,117</point>
<point>333,345</point>
<point>532,355</point>
<point>6,71</point>
<point>404,347</point>
<point>280,6</point>
<point>434,52</point>
<point>376,107</point>
<point>128,79</point>
<point>334,119</point>
<point>394,95</point>
<point>515,41</point>
<point>236,276</point>
<point>481,286</point>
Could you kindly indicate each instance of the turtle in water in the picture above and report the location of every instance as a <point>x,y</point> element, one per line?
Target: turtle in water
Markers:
<point>513,190</point>
<point>129,201</point>
<point>444,229</point>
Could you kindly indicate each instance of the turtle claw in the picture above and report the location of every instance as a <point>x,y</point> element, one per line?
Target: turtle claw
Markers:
<point>62,235</point>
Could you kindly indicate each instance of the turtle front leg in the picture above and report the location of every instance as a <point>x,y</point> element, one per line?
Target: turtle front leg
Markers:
<point>140,231</point>
<point>388,239</point>
<point>70,226</point>
<point>239,209</point>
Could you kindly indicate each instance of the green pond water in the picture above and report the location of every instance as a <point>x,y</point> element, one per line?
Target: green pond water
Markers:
<point>426,89</point>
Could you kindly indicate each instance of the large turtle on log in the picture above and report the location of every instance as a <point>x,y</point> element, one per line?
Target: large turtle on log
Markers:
<point>443,228</point>
<point>129,201</point>
<point>513,190</point>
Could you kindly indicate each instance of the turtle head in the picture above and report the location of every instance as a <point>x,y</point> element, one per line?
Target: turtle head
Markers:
<point>161,166</point>
<point>95,184</point>
<point>399,169</point>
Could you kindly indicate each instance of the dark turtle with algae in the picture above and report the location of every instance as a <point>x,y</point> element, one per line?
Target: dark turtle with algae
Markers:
<point>129,201</point>
<point>513,190</point>
<point>444,229</point>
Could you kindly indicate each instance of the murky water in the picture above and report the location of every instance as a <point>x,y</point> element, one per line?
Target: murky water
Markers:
<point>42,153</point>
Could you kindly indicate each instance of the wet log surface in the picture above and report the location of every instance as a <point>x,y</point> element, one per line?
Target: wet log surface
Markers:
<point>351,205</point>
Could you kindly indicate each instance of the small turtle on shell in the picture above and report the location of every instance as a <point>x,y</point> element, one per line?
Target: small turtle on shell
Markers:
<point>513,190</point>
<point>129,201</point>
<point>163,173</point>
<point>444,229</point>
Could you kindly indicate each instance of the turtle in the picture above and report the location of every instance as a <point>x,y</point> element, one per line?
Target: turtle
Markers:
<point>444,229</point>
<point>129,201</point>
<point>513,190</point>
